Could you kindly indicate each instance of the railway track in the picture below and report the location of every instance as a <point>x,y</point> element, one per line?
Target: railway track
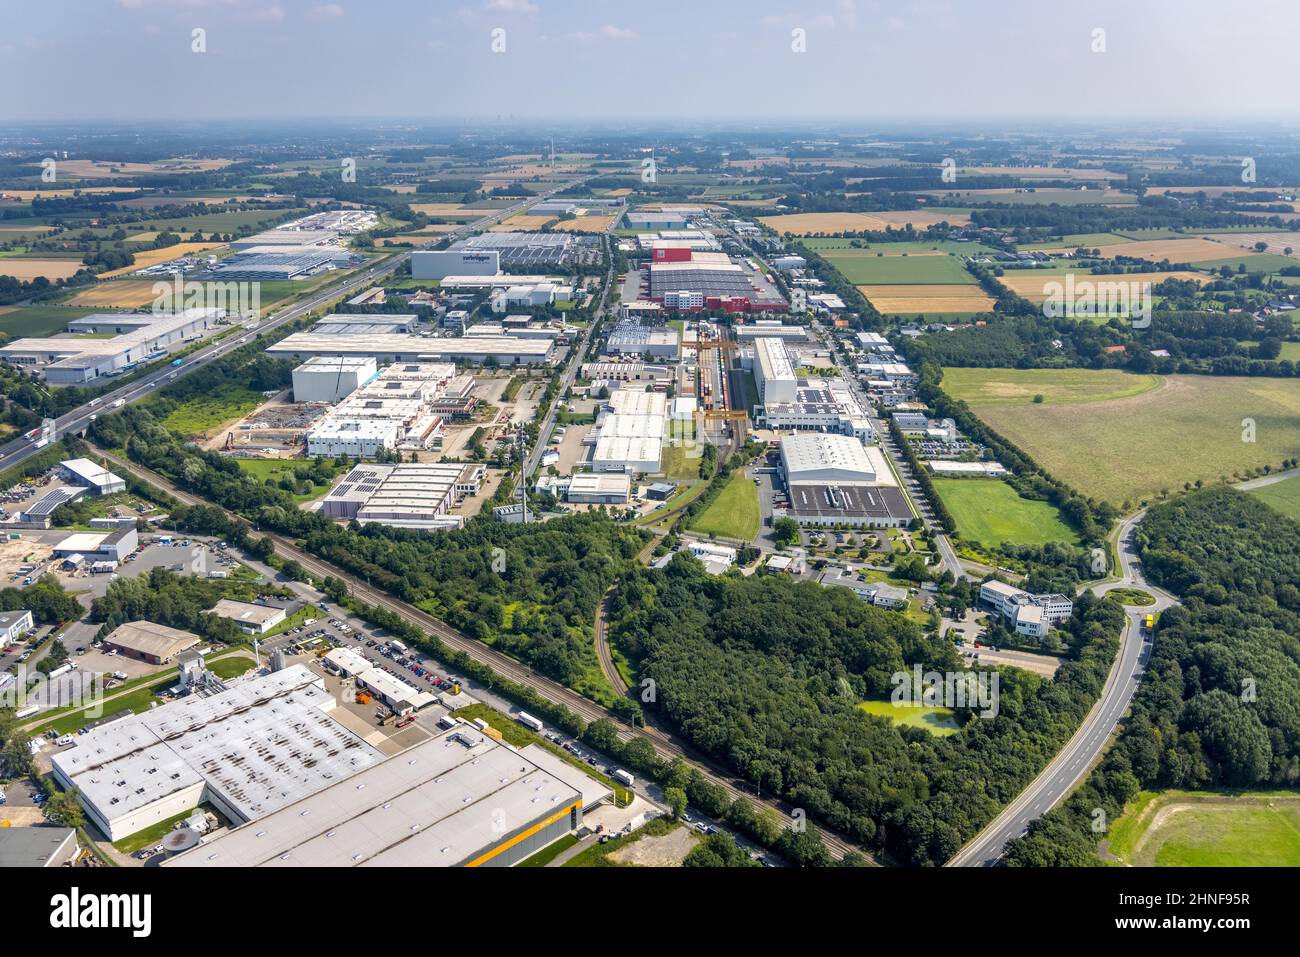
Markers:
<point>603,652</point>
<point>666,747</point>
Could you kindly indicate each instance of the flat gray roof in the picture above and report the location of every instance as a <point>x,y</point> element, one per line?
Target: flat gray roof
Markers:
<point>261,744</point>
<point>444,802</point>
<point>35,846</point>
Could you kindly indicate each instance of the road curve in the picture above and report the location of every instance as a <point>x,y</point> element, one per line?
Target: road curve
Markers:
<point>1073,761</point>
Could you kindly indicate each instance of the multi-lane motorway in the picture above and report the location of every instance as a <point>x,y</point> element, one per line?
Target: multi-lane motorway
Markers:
<point>19,450</point>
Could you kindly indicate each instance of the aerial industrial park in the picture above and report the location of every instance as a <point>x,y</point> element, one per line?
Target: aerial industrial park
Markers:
<point>526,450</point>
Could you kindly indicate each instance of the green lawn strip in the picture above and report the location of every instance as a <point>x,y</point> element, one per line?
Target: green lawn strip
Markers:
<point>300,617</point>
<point>49,720</point>
<point>733,514</point>
<point>550,852</point>
<point>151,835</point>
<point>991,512</point>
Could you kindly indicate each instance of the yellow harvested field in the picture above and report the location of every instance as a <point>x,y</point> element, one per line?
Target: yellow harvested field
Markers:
<point>99,169</point>
<point>1032,284</point>
<point>625,191</point>
<point>25,229</point>
<point>927,298</point>
<point>1278,243</point>
<point>758,163</point>
<point>151,257</point>
<point>1175,250</point>
<point>401,188</point>
<point>121,294</point>
<point>1041,172</point>
<point>804,224</point>
<point>35,268</point>
<point>584,224</point>
<point>522,223</point>
<point>27,195</point>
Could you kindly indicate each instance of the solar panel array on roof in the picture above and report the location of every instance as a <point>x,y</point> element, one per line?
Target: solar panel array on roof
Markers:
<point>52,500</point>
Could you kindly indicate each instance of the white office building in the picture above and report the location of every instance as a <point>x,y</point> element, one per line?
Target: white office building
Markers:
<point>331,378</point>
<point>1030,615</point>
<point>774,372</point>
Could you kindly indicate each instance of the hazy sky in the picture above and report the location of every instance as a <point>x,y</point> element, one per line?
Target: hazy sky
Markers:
<point>649,59</point>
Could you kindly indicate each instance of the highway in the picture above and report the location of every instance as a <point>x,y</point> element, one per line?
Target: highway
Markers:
<point>1074,760</point>
<point>19,450</point>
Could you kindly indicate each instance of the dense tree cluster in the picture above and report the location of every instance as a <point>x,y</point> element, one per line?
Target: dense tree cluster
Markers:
<point>1219,706</point>
<point>532,590</point>
<point>177,601</point>
<point>766,676</point>
<point>45,599</point>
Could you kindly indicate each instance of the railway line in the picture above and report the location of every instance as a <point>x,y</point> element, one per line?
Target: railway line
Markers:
<point>666,747</point>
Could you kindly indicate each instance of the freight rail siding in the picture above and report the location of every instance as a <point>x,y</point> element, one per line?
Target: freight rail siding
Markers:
<point>665,747</point>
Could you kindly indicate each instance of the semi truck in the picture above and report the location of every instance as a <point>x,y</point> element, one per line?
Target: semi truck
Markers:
<point>528,721</point>
<point>623,777</point>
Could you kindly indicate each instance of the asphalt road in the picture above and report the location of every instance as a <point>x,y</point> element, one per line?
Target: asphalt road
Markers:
<point>1073,761</point>
<point>19,450</point>
<point>570,373</point>
<point>665,746</point>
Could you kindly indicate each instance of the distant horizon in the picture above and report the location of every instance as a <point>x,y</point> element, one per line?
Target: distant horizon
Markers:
<point>868,61</point>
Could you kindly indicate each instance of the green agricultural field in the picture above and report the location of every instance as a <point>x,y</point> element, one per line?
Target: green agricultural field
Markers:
<point>1200,829</point>
<point>1124,437</point>
<point>991,512</point>
<point>733,514</point>
<point>201,414</point>
<point>986,387</point>
<point>824,245</point>
<point>38,321</point>
<point>938,721</point>
<point>864,267</point>
<point>1254,262</point>
<point>1075,240</point>
<point>1282,496</point>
